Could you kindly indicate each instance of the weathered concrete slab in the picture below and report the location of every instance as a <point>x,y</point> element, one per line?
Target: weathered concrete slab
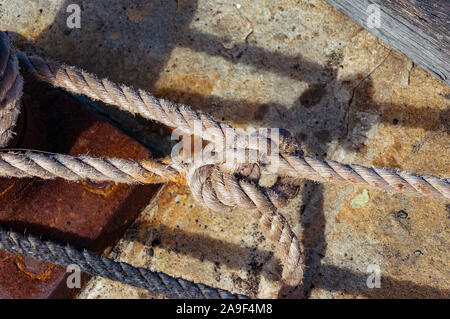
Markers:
<point>300,65</point>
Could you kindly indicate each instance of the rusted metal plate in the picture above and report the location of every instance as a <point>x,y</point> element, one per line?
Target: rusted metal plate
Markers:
<point>86,215</point>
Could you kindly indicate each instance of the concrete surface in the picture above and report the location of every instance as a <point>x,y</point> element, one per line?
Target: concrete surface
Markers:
<point>296,64</point>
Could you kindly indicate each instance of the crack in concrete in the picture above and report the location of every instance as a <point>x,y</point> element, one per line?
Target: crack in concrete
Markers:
<point>349,104</point>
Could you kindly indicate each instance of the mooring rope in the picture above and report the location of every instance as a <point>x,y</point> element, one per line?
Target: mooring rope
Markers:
<point>156,282</point>
<point>219,185</point>
<point>50,166</point>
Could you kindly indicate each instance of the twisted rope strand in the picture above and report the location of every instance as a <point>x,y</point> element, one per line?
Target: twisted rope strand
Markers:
<point>51,166</point>
<point>155,282</point>
<point>390,181</point>
<point>141,102</point>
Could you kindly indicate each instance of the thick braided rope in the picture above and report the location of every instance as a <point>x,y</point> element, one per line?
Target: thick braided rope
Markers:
<point>49,166</point>
<point>140,102</point>
<point>11,84</point>
<point>182,117</point>
<point>155,282</point>
<point>387,180</point>
<point>75,169</point>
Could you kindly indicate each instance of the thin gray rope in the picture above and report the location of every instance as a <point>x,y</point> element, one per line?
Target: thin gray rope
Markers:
<point>156,282</point>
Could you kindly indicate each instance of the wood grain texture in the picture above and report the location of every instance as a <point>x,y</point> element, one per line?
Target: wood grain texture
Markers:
<point>419,29</point>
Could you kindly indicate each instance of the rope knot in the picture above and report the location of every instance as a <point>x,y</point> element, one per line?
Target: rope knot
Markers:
<point>217,187</point>
<point>225,175</point>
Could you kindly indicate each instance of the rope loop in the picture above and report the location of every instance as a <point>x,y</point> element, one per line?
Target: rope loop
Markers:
<point>223,185</point>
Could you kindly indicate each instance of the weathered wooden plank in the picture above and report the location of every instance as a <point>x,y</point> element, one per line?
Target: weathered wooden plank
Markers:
<point>419,29</point>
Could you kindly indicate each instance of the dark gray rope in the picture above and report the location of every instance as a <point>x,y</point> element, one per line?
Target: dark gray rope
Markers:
<point>156,282</point>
